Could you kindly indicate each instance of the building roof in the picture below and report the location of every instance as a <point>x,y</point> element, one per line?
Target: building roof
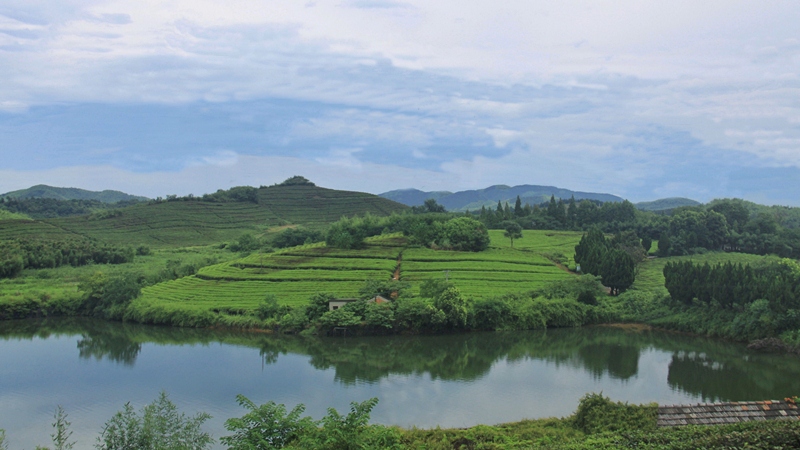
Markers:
<point>723,413</point>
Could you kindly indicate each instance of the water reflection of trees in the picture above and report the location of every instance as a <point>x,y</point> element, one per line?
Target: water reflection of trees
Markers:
<point>711,369</point>
<point>740,377</point>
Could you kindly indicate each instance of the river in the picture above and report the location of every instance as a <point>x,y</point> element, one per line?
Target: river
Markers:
<point>92,368</point>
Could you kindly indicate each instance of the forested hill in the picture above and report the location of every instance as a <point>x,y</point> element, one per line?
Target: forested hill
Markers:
<point>212,218</point>
<point>59,193</point>
<point>665,204</point>
<point>488,197</point>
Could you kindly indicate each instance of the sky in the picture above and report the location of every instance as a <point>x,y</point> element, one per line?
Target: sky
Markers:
<point>641,99</point>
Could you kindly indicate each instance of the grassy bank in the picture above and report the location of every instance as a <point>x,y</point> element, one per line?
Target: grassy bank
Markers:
<point>598,423</point>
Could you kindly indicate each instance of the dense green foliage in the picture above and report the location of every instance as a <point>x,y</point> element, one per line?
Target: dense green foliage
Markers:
<point>726,224</point>
<point>435,230</point>
<point>19,254</point>
<point>159,426</point>
<point>598,423</point>
<point>762,299</point>
<point>608,259</point>
<point>43,208</point>
<point>292,237</point>
<point>296,180</point>
<point>234,194</point>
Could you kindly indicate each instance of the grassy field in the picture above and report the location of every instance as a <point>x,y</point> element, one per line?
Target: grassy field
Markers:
<point>195,223</point>
<point>295,274</point>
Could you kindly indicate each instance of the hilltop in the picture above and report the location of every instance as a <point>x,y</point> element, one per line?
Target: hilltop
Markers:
<point>488,197</point>
<point>189,221</point>
<point>60,193</point>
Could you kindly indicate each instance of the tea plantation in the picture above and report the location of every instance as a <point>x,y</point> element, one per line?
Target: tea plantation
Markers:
<point>295,274</point>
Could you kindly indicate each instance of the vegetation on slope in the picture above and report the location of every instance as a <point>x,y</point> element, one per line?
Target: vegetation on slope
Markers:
<point>211,219</point>
<point>59,193</point>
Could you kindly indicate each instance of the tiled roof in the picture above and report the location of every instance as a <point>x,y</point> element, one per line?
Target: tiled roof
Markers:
<point>722,413</point>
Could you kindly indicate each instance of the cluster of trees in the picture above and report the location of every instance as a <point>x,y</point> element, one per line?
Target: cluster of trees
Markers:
<point>19,254</point>
<point>562,215</point>
<point>45,208</point>
<point>296,180</point>
<point>234,194</point>
<point>613,260</point>
<point>433,230</point>
<point>292,237</point>
<point>761,300</point>
<point>732,285</point>
<point>726,224</point>
<point>730,225</point>
<point>440,307</point>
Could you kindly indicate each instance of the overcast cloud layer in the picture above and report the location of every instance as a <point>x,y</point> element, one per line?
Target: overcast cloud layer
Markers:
<point>639,99</point>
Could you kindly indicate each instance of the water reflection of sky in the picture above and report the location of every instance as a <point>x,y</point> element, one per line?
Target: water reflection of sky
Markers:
<point>36,375</point>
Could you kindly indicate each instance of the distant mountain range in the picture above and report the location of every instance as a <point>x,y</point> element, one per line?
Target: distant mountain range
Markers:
<point>531,194</point>
<point>474,199</point>
<point>666,204</point>
<point>454,201</point>
<point>59,193</point>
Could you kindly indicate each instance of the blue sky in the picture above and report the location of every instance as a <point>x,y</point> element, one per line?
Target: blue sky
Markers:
<point>639,99</point>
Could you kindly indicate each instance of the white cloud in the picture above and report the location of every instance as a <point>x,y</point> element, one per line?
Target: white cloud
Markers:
<point>494,92</point>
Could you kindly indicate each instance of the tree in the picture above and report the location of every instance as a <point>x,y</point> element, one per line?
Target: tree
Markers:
<point>618,271</point>
<point>590,250</point>
<point>266,426</point>
<point>452,304</point>
<point>512,231</point>
<point>433,287</point>
<point>291,237</point>
<point>518,211</point>
<point>431,206</point>
<point>734,210</point>
<point>572,213</point>
<point>296,180</point>
<point>465,234</point>
<point>159,426</point>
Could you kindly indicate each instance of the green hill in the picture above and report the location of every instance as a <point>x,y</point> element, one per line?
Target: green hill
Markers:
<point>59,193</point>
<point>664,204</point>
<point>183,222</point>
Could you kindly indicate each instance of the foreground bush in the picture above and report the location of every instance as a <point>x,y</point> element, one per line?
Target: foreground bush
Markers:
<point>598,423</point>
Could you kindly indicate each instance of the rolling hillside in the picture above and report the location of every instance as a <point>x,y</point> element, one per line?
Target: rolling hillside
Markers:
<point>182,223</point>
<point>59,193</point>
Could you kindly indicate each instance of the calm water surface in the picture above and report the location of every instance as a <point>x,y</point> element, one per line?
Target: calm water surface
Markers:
<point>92,368</point>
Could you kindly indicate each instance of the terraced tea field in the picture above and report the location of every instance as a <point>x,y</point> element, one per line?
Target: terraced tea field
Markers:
<point>293,275</point>
<point>192,223</point>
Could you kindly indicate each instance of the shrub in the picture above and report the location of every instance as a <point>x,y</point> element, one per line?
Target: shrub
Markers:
<point>267,426</point>
<point>338,432</point>
<point>159,427</point>
<point>597,413</point>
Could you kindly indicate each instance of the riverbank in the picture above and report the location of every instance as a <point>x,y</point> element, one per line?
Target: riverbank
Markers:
<point>598,423</point>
